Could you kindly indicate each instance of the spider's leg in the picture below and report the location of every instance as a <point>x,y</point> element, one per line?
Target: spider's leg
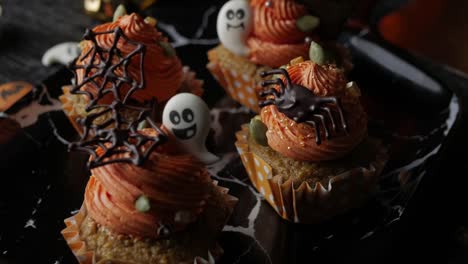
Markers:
<point>327,110</point>
<point>271,91</point>
<point>322,120</point>
<point>281,71</point>
<point>334,100</point>
<point>318,139</point>
<point>272,72</point>
<point>266,103</point>
<point>277,82</point>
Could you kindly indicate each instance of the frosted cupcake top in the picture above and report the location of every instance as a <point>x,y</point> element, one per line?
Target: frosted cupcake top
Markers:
<point>297,139</point>
<point>163,195</point>
<point>266,32</point>
<point>144,55</point>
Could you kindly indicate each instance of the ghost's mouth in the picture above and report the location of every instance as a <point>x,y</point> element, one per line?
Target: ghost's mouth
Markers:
<point>241,25</point>
<point>186,133</point>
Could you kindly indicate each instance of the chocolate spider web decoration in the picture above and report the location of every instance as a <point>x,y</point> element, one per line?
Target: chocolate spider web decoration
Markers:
<point>122,139</point>
<point>116,135</point>
<point>101,66</point>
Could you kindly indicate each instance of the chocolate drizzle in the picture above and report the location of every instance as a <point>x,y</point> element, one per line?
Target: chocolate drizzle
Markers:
<point>101,66</point>
<point>301,104</point>
<point>109,133</point>
<point>117,135</point>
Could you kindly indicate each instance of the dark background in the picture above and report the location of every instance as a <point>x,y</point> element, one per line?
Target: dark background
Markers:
<point>431,230</point>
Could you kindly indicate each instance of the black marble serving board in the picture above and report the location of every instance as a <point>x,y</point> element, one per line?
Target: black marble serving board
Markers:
<point>41,183</point>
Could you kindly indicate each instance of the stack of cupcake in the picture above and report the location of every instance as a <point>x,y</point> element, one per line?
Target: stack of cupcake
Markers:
<point>157,70</point>
<point>150,198</point>
<point>259,35</point>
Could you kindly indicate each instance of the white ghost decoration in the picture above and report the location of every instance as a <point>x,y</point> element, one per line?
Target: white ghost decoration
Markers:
<point>234,25</point>
<point>187,117</point>
<point>62,53</point>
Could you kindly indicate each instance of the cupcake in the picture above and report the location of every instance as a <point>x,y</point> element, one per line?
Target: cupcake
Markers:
<point>166,211</point>
<point>259,35</point>
<point>150,198</point>
<point>138,55</point>
<point>308,152</point>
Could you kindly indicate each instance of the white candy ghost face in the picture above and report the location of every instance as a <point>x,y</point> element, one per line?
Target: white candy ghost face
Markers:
<point>234,25</point>
<point>187,117</point>
<point>184,127</point>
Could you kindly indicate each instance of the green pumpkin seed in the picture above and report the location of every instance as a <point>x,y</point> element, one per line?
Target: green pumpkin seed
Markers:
<point>142,204</point>
<point>258,131</point>
<point>143,124</point>
<point>169,51</point>
<point>307,23</point>
<point>316,53</point>
<point>119,12</point>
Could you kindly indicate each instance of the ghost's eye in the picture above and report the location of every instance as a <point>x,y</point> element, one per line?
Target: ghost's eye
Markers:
<point>240,14</point>
<point>187,115</point>
<point>174,117</point>
<point>230,14</point>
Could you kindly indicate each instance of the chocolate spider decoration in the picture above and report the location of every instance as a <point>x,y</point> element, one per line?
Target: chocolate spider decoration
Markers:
<point>107,127</point>
<point>301,105</point>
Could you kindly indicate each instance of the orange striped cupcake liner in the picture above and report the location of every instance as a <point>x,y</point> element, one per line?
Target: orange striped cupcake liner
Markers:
<point>71,235</point>
<point>238,76</point>
<point>305,203</point>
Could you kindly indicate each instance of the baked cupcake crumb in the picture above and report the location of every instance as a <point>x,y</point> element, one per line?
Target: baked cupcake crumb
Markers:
<point>181,247</point>
<point>314,172</point>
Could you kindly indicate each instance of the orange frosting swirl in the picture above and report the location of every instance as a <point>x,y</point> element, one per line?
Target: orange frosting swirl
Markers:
<point>297,141</point>
<point>274,55</point>
<point>177,186</point>
<point>275,32</point>
<point>163,73</point>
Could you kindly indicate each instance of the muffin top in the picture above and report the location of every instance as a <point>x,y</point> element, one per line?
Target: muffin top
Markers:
<point>276,37</point>
<point>298,140</point>
<point>163,195</point>
<point>137,52</point>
